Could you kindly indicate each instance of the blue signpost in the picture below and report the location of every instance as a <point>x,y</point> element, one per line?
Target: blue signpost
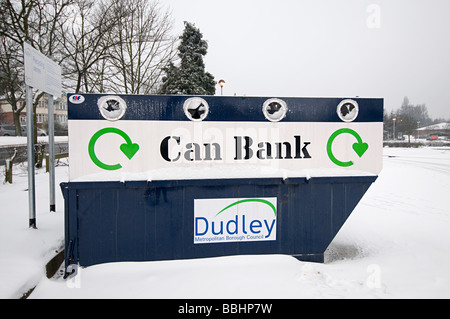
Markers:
<point>176,177</point>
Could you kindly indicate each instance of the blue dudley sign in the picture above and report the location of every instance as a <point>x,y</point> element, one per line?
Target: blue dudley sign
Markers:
<point>233,220</point>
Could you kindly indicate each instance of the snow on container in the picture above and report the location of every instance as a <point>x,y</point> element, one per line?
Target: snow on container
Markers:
<point>176,177</point>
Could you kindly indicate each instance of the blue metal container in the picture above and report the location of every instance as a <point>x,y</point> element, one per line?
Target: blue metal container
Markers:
<point>146,221</point>
<point>113,218</point>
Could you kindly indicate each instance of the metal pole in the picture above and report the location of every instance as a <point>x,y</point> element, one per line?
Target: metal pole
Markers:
<point>30,153</point>
<point>394,131</point>
<point>51,151</point>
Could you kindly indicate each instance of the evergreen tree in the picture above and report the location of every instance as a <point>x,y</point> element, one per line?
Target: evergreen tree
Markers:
<point>190,77</point>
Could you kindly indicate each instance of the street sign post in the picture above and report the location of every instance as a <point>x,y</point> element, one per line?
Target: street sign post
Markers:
<point>43,74</point>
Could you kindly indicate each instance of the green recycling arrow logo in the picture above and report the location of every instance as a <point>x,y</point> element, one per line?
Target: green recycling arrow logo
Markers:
<point>129,148</point>
<point>360,147</point>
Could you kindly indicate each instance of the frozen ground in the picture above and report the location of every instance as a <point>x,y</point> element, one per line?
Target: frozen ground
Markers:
<point>396,244</point>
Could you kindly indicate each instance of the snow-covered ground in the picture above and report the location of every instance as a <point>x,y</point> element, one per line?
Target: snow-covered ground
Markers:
<point>23,251</point>
<point>396,244</point>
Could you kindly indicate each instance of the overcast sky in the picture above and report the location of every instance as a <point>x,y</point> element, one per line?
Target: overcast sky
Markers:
<point>339,48</point>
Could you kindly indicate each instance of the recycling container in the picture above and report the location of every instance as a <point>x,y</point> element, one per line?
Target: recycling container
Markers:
<point>177,177</point>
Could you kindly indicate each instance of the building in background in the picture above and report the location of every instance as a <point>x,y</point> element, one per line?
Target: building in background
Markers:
<point>435,131</point>
<point>60,112</point>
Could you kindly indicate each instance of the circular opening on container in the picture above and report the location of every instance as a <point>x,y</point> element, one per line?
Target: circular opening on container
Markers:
<point>348,110</point>
<point>274,110</point>
<point>196,109</point>
<point>112,108</point>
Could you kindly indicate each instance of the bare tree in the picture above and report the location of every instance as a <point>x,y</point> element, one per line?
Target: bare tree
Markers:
<point>102,45</point>
<point>35,22</point>
<point>85,41</point>
<point>145,46</point>
<point>11,78</point>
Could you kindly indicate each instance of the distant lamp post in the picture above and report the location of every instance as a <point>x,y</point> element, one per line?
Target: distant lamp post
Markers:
<point>393,120</point>
<point>221,83</point>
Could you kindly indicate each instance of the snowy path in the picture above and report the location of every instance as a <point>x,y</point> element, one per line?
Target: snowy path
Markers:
<point>24,252</point>
<point>396,244</point>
